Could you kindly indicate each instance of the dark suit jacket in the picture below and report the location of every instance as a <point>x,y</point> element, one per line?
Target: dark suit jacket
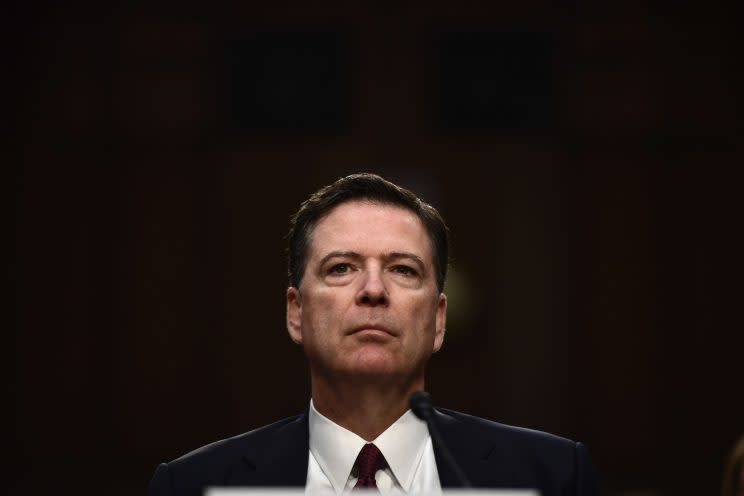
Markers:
<point>492,455</point>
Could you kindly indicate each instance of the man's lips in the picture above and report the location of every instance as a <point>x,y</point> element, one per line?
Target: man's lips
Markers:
<point>372,328</point>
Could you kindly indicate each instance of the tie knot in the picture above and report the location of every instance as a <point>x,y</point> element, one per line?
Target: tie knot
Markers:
<point>369,461</point>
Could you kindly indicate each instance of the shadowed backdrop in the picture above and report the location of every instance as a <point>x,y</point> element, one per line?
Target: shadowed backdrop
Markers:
<point>587,160</point>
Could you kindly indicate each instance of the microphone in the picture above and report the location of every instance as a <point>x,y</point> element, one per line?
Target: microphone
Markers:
<point>422,407</point>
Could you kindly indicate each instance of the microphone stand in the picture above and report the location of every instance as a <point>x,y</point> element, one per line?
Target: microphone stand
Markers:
<point>422,407</point>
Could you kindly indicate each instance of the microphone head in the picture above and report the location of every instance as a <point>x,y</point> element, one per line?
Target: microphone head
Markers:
<point>421,405</point>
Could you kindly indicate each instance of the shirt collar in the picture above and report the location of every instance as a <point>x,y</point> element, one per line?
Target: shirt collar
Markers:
<point>336,448</point>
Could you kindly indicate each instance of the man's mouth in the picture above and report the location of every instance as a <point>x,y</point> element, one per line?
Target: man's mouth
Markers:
<point>373,329</point>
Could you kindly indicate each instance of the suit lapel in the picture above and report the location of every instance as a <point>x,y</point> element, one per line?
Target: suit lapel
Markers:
<point>279,461</point>
<point>469,449</point>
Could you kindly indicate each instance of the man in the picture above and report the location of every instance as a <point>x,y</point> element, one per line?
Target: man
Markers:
<point>367,265</point>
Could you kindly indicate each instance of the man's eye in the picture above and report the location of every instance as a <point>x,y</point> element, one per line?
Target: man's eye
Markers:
<point>404,270</point>
<point>341,268</point>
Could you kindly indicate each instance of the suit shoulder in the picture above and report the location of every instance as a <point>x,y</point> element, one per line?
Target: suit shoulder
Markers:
<point>518,457</point>
<point>249,459</point>
<point>507,433</point>
<point>234,446</point>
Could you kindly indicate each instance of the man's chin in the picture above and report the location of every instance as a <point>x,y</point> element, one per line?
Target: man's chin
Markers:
<point>371,363</point>
<point>375,359</point>
<point>379,368</point>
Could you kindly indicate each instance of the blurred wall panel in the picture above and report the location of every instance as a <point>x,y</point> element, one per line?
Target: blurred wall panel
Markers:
<point>592,193</point>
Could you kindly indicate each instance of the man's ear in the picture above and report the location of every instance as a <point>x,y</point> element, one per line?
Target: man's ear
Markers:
<point>294,314</point>
<point>441,321</point>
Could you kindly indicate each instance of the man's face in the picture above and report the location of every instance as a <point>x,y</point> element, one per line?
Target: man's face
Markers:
<point>368,303</point>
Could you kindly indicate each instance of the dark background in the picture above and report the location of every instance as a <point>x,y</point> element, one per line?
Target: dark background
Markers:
<point>588,160</point>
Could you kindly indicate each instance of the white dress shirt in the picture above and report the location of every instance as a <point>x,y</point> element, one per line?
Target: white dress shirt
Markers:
<point>406,446</point>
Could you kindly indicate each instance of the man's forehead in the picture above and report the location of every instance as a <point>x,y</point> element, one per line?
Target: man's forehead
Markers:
<point>375,228</point>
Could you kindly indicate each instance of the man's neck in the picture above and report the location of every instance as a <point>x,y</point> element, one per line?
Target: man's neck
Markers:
<point>366,409</point>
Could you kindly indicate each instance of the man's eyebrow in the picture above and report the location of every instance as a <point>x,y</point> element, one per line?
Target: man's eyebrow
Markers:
<point>403,254</point>
<point>340,254</point>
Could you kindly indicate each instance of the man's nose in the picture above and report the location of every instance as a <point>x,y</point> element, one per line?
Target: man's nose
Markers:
<point>373,291</point>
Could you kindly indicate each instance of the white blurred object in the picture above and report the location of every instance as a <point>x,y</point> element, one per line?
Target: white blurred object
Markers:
<point>222,491</point>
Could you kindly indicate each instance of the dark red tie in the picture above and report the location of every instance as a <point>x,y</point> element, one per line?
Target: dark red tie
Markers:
<point>369,461</point>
